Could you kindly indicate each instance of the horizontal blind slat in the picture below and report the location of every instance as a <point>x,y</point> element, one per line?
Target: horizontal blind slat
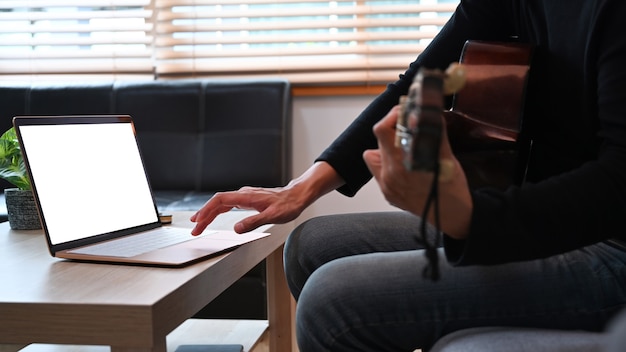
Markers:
<point>285,64</point>
<point>82,15</point>
<point>76,54</point>
<point>363,23</point>
<point>49,28</point>
<point>76,41</point>
<point>304,51</point>
<point>358,10</point>
<point>169,3</point>
<point>8,4</point>
<point>305,78</point>
<point>111,65</point>
<point>308,39</point>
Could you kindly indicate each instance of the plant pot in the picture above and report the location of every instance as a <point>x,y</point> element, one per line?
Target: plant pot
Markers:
<point>22,210</point>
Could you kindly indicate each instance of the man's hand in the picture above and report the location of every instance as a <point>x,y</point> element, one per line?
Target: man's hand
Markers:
<point>409,190</point>
<point>275,205</point>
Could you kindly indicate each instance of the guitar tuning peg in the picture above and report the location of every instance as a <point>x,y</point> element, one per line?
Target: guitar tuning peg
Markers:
<point>454,79</point>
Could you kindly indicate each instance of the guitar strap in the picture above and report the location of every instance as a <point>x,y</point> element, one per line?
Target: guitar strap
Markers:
<point>432,241</point>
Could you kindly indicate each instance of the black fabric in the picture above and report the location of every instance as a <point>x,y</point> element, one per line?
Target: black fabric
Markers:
<point>574,114</point>
<point>197,137</point>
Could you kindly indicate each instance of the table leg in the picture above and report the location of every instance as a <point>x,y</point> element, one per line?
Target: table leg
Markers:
<point>279,304</point>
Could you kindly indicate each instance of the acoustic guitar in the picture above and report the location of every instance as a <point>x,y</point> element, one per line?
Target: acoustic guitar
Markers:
<point>484,122</point>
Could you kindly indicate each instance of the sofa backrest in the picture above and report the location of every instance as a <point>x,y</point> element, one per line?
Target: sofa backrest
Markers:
<point>197,135</point>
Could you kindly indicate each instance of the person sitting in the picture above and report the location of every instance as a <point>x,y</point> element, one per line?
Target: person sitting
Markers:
<point>549,252</point>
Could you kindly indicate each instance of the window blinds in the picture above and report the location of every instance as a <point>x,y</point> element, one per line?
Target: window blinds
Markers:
<point>75,36</point>
<point>311,41</point>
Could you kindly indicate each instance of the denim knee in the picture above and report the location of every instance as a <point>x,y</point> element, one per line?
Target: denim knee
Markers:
<point>319,315</point>
<point>293,270</point>
<point>309,246</point>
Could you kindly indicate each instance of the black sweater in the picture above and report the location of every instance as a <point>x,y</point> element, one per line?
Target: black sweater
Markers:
<point>575,114</point>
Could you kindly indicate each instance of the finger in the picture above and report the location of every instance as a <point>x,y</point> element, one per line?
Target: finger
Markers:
<point>207,209</point>
<point>201,226</point>
<point>270,215</point>
<point>225,201</point>
<point>373,161</point>
<point>385,129</point>
<point>215,206</point>
<point>250,223</point>
<point>202,221</point>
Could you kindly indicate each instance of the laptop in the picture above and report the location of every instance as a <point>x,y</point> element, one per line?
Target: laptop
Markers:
<point>94,198</point>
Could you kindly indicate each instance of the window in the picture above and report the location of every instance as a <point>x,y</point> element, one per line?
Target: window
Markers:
<point>305,41</point>
<point>314,41</point>
<point>49,37</point>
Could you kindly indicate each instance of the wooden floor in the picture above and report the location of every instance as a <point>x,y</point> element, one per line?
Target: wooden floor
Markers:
<point>192,332</point>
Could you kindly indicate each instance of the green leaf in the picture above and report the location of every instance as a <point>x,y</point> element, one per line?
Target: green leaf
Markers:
<point>12,167</point>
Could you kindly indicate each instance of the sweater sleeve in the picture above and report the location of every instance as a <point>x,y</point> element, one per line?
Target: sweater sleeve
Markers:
<point>345,153</point>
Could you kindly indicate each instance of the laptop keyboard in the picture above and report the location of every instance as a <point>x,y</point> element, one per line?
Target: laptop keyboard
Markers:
<point>137,244</point>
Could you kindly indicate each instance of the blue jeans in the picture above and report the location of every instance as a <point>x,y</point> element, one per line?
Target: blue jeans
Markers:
<point>358,282</point>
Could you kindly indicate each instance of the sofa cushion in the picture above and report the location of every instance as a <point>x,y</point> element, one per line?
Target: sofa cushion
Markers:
<point>498,339</point>
<point>197,136</point>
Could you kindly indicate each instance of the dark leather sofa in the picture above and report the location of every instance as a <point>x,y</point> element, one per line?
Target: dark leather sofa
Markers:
<point>196,136</point>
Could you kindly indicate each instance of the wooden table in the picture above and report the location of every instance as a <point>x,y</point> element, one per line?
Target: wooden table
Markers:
<point>130,308</point>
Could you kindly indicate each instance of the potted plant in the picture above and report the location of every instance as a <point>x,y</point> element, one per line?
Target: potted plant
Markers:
<point>20,202</point>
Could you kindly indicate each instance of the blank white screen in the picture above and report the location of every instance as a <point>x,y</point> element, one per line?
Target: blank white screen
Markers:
<point>89,178</point>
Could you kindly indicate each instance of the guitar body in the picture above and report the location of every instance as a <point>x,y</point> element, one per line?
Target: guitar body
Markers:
<point>485,119</point>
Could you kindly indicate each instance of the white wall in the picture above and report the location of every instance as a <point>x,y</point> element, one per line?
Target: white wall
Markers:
<point>317,121</point>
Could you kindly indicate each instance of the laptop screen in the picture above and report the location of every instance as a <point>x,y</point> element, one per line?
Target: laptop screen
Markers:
<point>89,177</point>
